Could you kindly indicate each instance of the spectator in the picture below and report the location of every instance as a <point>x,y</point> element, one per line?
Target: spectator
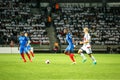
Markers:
<point>12,43</point>
<point>57,6</point>
<point>56,46</point>
<point>49,21</point>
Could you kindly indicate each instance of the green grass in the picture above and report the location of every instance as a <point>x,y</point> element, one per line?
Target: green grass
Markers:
<point>60,68</point>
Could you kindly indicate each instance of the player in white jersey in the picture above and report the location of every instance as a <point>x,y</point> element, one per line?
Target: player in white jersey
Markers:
<point>86,46</point>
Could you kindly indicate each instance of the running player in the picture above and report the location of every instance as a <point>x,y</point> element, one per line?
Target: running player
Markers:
<point>22,46</point>
<point>86,46</point>
<point>69,50</point>
<point>28,48</point>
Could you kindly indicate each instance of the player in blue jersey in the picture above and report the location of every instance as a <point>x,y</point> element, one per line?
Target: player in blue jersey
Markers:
<point>28,48</point>
<point>70,48</point>
<point>22,46</point>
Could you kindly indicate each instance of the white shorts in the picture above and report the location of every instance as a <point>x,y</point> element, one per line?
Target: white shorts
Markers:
<point>86,49</point>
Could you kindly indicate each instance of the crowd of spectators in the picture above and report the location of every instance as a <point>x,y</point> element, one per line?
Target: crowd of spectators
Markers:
<point>16,17</point>
<point>103,24</point>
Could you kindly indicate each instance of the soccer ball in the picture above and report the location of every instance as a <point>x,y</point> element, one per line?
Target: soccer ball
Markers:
<point>47,61</point>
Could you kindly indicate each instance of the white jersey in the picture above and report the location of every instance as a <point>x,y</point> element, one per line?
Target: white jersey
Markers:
<point>87,38</point>
<point>86,46</point>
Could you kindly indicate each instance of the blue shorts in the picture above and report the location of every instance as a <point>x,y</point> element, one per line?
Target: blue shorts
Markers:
<point>26,50</point>
<point>70,48</point>
<point>29,47</point>
<point>22,49</point>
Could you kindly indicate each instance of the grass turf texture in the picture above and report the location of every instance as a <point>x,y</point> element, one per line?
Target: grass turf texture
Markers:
<point>60,68</point>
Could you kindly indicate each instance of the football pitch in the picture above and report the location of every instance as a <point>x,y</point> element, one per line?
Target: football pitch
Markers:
<point>60,68</point>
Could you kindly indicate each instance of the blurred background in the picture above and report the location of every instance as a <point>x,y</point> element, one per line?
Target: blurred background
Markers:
<point>45,20</point>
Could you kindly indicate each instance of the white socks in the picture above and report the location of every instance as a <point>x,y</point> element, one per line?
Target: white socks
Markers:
<point>92,57</point>
<point>82,55</point>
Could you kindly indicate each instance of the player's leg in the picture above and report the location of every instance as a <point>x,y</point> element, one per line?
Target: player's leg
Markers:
<point>30,51</point>
<point>67,52</point>
<point>29,57</point>
<point>72,54</point>
<point>89,52</point>
<point>80,51</point>
<point>22,53</point>
<point>27,53</point>
<point>93,58</point>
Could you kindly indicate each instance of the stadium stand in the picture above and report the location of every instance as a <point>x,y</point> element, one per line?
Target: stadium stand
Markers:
<point>16,17</point>
<point>103,22</point>
<point>104,25</point>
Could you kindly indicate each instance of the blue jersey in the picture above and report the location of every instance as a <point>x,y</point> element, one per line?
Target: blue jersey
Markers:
<point>28,40</point>
<point>28,45</point>
<point>23,40</point>
<point>69,39</point>
<point>70,47</point>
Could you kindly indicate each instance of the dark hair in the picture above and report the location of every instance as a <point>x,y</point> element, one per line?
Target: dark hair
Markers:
<point>22,33</point>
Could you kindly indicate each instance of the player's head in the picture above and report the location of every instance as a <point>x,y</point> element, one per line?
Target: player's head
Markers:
<point>85,30</point>
<point>22,33</point>
<point>66,30</point>
<point>26,34</point>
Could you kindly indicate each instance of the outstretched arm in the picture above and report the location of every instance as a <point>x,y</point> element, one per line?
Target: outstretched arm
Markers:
<point>85,42</point>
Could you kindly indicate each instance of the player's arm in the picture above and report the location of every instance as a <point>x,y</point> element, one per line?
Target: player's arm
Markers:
<point>85,42</point>
<point>27,41</point>
<point>73,41</point>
